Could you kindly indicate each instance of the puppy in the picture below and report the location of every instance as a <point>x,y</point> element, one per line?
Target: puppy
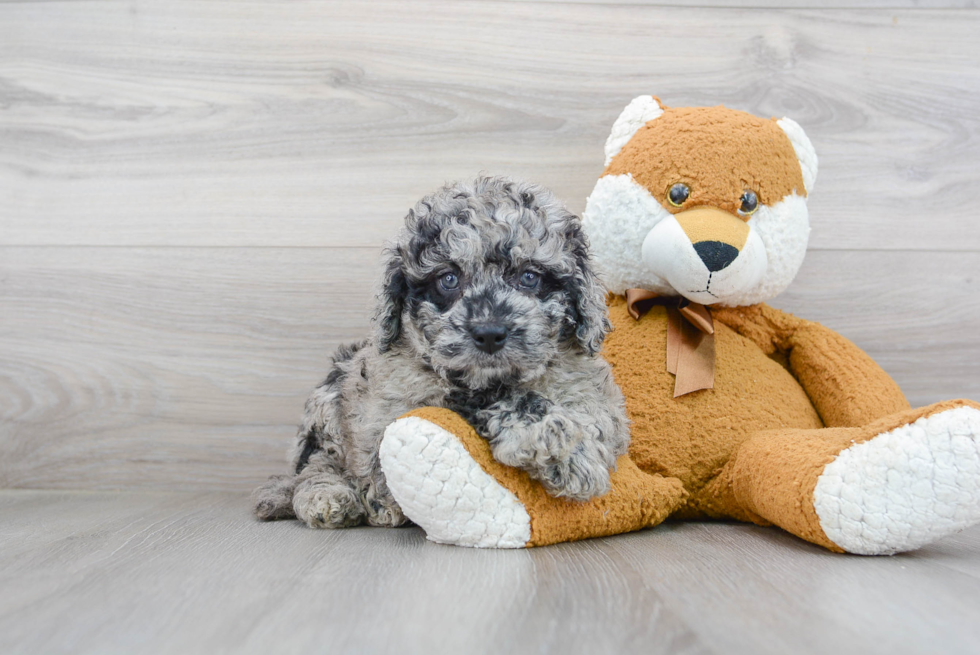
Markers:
<point>488,306</point>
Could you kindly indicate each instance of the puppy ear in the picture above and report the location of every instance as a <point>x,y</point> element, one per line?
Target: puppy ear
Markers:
<point>390,300</point>
<point>589,313</point>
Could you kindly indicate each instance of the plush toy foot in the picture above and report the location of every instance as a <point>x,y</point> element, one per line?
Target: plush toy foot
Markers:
<point>445,479</point>
<point>904,488</point>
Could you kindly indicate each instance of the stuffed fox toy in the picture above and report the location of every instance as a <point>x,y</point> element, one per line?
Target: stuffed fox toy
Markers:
<point>738,410</point>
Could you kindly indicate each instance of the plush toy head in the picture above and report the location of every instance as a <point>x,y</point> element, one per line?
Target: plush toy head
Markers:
<point>708,203</point>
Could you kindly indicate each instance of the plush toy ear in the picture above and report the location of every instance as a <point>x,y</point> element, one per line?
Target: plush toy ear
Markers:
<point>637,114</point>
<point>805,153</point>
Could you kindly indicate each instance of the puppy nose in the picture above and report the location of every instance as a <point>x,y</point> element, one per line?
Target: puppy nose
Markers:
<point>715,254</point>
<point>489,337</point>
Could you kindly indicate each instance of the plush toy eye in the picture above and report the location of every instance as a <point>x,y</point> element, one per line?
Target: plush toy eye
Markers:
<point>530,279</point>
<point>449,281</point>
<point>750,202</point>
<point>678,194</point>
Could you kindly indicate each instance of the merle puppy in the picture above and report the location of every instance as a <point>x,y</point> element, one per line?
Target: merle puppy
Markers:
<point>488,306</point>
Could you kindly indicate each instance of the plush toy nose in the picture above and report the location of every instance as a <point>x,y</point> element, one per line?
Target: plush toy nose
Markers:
<point>715,254</point>
<point>489,337</point>
<point>717,236</point>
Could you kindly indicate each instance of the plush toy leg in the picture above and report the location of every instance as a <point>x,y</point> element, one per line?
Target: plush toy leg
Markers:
<point>895,485</point>
<point>445,479</point>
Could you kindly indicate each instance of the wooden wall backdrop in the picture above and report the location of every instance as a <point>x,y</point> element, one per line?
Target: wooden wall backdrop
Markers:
<point>193,194</point>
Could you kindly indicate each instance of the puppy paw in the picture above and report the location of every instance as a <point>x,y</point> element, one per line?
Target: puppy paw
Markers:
<point>560,453</point>
<point>538,445</point>
<point>385,513</point>
<point>274,499</point>
<point>328,506</point>
<point>581,477</point>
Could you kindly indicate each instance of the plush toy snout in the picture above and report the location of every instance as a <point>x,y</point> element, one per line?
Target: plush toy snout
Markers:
<point>706,254</point>
<point>718,237</point>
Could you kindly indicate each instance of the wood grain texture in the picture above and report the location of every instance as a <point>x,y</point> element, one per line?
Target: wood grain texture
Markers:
<point>164,573</point>
<point>194,194</point>
<point>320,123</point>
<point>780,4</point>
<point>165,368</point>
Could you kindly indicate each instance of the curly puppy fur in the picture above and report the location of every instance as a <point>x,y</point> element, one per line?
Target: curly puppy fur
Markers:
<point>489,306</point>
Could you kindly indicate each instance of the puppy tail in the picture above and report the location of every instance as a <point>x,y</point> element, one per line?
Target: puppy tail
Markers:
<point>274,499</point>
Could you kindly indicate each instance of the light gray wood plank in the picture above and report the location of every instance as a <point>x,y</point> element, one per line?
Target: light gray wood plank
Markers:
<point>168,368</point>
<point>163,363</point>
<point>121,572</point>
<point>212,123</point>
<point>731,4</point>
<point>801,598</point>
<point>780,4</point>
<point>197,574</point>
<point>916,314</point>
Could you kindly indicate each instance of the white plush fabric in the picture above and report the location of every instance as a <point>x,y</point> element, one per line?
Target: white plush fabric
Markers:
<point>638,113</point>
<point>443,490</point>
<point>904,488</point>
<point>785,230</point>
<point>805,152</point>
<point>618,216</point>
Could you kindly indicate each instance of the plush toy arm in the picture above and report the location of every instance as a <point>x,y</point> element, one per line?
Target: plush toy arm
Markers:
<point>845,385</point>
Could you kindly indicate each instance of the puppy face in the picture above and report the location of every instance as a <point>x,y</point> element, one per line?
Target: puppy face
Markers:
<point>489,282</point>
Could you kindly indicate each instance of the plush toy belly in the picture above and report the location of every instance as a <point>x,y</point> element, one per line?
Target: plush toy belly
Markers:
<point>692,437</point>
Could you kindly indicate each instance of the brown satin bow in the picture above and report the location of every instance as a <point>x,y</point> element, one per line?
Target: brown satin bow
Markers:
<point>690,338</point>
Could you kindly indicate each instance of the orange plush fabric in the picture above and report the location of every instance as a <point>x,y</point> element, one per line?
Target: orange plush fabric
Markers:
<point>846,387</point>
<point>693,436</point>
<point>716,152</point>
<point>773,372</point>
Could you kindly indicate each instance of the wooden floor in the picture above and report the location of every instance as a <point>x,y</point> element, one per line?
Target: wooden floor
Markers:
<point>102,572</point>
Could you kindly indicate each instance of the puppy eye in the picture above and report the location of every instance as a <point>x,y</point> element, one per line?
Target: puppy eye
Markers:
<point>530,279</point>
<point>449,281</point>
<point>678,194</point>
<point>750,202</point>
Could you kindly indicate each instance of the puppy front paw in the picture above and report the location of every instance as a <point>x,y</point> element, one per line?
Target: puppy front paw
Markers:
<point>385,513</point>
<point>328,506</point>
<point>559,453</point>
<point>539,444</point>
<point>580,477</point>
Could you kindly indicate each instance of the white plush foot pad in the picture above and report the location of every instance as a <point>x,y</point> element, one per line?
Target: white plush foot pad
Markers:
<point>905,488</point>
<point>442,489</point>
